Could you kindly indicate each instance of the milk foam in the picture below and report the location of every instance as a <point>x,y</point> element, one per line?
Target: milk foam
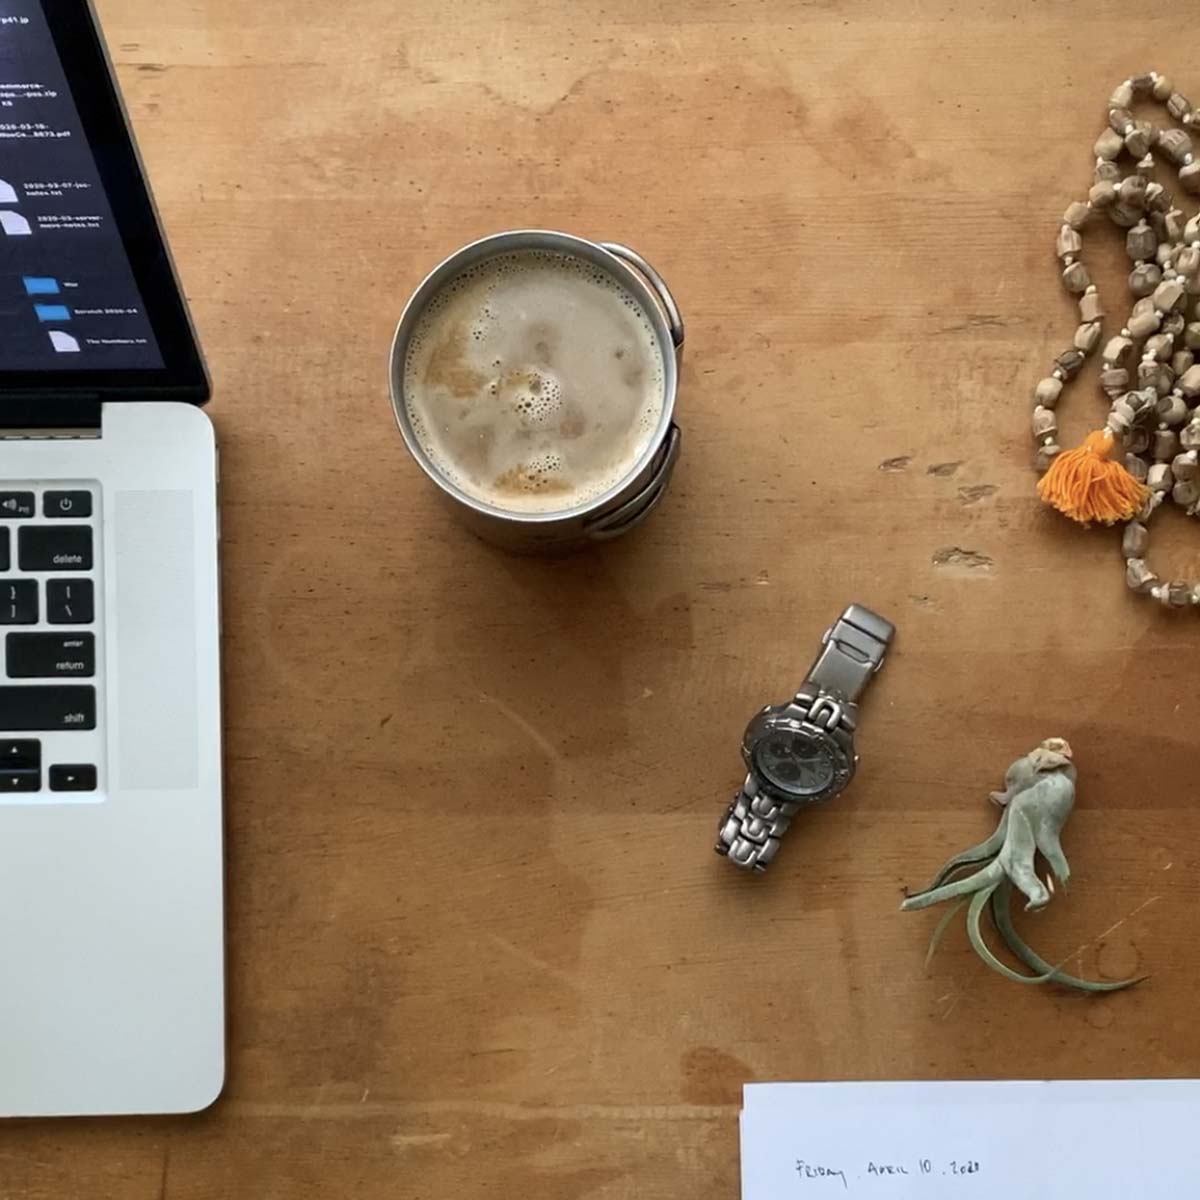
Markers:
<point>534,381</point>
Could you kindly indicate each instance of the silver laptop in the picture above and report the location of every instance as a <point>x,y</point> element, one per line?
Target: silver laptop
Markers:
<point>111,914</point>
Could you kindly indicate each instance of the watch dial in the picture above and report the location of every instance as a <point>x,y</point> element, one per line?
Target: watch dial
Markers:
<point>796,763</point>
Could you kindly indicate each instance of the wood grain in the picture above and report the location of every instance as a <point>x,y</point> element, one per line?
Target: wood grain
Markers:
<point>479,945</point>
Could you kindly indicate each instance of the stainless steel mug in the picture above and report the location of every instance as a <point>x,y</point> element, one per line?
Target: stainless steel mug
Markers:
<point>632,498</point>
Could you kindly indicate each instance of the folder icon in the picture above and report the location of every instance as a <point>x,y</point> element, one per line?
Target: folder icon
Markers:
<point>40,285</point>
<point>8,193</point>
<point>52,312</point>
<point>14,224</point>
<point>63,343</point>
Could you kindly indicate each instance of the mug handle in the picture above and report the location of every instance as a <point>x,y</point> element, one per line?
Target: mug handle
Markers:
<point>657,283</point>
<point>612,524</point>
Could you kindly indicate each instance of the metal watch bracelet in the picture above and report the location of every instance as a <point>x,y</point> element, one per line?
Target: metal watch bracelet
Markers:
<point>852,651</point>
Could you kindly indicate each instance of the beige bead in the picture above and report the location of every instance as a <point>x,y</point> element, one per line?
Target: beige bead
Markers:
<point>1137,466</point>
<point>1047,453</point>
<point>1090,308</point>
<point>1171,409</point>
<point>1067,242</point>
<point>1145,168</point>
<point>1185,493</point>
<point>1162,255</point>
<point>1139,139</point>
<point>1178,105</point>
<point>1044,423</point>
<point>1137,440</point>
<point>1102,195</point>
<point>1189,381</point>
<point>1175,144</point>
<point>1155,376</point>
<point>1124,215</point>
<point>1116,348</point>
<point>1187,260</point>
<point>1174,323</point>
<point>1157,200</point>
<point>1163,88</point>
<point>1159,478</point>
<point>1164,445</point>
<point>1189,178</point>
<point>1087,337</point>
<point>1139,576</point>
<point>1069,362</point>
<point>1077,214</point>
<point>1114,380</point>
<point>1191,336</point>
<point>1135,540</point>
<point>1143,324</point>
<point>1140,242</point>
<point>1181,360</point>
<point>1143,400</point>
<point>1173,224</point>
<point>1120,119</point>
<point>1159,346</point>
<point>1191,231</point>
<point>1122,96</point>
<point>1108,145</point>
<point>1048,391</point>
<point>1168,295</point>
<point>1122,415</point>
<point>1186,465</point>
<point>1178,594</point>
<point>1132,189</point>
<point>1076,278</point>
<point>1189,437</point>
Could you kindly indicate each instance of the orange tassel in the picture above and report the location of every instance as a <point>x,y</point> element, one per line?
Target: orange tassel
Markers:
<point>1087,485</point>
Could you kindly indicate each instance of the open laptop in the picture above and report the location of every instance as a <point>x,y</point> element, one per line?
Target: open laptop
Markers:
<point>111,912</point>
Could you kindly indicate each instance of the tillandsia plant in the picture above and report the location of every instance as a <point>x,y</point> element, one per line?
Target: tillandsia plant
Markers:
<point>1039,793</point>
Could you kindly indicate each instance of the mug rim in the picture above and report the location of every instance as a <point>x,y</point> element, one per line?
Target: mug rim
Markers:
<point>531,239</point>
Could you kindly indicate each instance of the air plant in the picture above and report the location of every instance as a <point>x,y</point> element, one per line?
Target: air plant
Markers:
<point>1039,793</point>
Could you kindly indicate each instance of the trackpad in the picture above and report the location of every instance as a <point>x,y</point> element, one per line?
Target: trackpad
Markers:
<point>155,640</point>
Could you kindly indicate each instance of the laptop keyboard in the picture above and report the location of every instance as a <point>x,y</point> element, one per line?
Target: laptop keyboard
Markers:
<point>50,740</point>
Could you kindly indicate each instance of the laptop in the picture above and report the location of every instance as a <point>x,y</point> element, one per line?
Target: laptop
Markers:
<point>111,891</point>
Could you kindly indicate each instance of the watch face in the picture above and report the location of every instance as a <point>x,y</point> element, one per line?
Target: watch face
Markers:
<point>796,762</point>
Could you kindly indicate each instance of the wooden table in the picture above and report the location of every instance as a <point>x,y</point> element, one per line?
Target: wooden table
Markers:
<point>479,944</point>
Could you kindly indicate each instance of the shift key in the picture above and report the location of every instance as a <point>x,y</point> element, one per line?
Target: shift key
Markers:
<point>55,547</point>
<point>60,706</point>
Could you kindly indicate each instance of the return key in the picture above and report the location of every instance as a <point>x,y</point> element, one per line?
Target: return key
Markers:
<point>50,655</point>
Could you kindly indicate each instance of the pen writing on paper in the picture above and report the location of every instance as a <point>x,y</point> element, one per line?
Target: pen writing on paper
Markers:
<point>874,1171</point>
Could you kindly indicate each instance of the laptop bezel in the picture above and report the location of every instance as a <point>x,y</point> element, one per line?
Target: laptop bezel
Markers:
<point>88,69</point>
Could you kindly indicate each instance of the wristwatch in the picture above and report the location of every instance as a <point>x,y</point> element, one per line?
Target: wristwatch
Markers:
<point>802,752</point>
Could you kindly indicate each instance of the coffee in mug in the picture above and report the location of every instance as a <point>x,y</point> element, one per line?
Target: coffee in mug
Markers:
<point>534,381</point>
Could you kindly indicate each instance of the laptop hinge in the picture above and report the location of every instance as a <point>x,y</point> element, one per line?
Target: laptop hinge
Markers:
<point>49,416</point>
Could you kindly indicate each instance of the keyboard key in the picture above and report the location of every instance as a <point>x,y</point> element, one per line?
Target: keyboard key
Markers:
<point>20,781</point>
<point>60,706</point>
<point>73,778</point>
<point>67,504</point>
<point>50,655</point>
<point>20,755</point>
<point>69,602</point>
<point>55,548</point>
<point>5,552</point>
<point>18,602</point>
<point>15,505</point>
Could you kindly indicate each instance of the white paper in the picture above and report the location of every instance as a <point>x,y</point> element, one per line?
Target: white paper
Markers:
<point>1055,1140</point>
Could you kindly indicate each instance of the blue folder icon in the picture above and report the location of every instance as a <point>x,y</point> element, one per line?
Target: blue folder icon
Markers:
<point>52,312</point>
<point>40,285</point>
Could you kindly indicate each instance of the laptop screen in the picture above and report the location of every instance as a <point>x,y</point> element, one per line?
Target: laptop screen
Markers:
<point>87,296</point>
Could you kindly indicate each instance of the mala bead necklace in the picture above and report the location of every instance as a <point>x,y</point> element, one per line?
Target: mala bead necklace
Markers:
<point>1149,449</point>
